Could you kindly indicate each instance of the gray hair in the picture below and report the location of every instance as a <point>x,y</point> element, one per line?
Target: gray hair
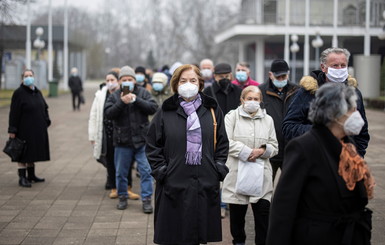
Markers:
<point>332,100</point>
<point>326,52</point>
<point>206,61</point>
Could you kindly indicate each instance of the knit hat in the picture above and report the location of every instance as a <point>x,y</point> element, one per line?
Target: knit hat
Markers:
<point>160,77</point>
<point>174,67</point>
<point>140,69</point>
<point>126,71</point>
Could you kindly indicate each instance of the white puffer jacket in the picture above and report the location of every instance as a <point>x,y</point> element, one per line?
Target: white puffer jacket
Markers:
<point>246,133</point>
<point>95,123</point>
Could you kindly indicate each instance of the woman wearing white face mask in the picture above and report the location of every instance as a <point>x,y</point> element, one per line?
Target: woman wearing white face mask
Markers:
<point>187,154</point>
<point>325,185</point>
<point>100,131</point>
<point>252,142</point>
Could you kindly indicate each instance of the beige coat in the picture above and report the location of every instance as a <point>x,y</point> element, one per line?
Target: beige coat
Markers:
<point>95,122</point>
<point>245,133</point>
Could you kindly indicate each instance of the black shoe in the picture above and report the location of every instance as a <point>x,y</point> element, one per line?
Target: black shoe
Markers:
<point>32,177</point>
<point>109,186</point>
<point>147,208</point>
<point>122,203</point>
<point>23,181</point>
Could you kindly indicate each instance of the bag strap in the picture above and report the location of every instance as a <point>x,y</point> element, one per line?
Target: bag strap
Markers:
<point>215,127</point>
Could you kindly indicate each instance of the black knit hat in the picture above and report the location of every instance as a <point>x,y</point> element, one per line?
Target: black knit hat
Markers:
<point>140,69</point>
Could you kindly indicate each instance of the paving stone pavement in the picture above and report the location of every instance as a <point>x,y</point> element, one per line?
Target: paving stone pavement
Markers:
<point>72,207</point>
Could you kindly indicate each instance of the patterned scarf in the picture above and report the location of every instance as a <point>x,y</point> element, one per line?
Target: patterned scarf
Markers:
<point>193,131</point>
<point>353,168</point>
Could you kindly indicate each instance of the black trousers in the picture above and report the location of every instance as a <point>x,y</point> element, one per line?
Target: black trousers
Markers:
<point>261,221</point>
<point>76,96</point>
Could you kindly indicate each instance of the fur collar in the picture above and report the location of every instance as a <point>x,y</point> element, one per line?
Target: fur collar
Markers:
<point>311,84</point>
<point>172,103</point>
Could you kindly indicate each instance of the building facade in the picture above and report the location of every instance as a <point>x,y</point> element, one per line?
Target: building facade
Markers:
<point>264,28</point>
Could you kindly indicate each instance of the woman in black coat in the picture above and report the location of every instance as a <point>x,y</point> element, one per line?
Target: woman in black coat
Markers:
<point>325,185</point>
<point>186,163</point>
<point>28,121</point>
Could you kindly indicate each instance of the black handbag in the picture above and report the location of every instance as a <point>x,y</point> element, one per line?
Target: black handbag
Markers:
<point>15,148</point>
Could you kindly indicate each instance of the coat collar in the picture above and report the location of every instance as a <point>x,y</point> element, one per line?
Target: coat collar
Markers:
<point>172,103</point>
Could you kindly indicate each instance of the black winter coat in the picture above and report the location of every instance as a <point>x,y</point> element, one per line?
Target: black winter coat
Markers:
<point>130,120</point>
<point>311,204</point>
<point>296,121</point>
<point>187,198</point>
<point>29,120</point>
<point>277,108</point>
<point>226,102</point>
<point>75,84</point>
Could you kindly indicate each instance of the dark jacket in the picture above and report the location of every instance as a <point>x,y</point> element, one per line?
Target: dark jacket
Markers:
<point>75,84</point>
<point>187,199</point>
<point>227,101</point>
<point>29,120</point>
<point>311,204</point>
<point>277,106</point>
<point>130,120</point>
<point>296,121</point>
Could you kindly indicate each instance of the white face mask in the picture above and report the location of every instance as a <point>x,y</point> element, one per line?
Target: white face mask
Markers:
<point>354,124</point>
<point>188,90</point>
<point>112,86</point>
<point>251,106</point>
<point>207,73</point>
<point>337,75</point>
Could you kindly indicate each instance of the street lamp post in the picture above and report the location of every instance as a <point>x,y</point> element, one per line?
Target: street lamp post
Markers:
<point>294,48</point>
<point>317,42</point>
<point>38,43</point>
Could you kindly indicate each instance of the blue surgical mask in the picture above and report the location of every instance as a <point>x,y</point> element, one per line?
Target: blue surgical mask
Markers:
<point>28,81</point>
<point>280,84</point>
<point>157,87</point>
<point>241,76</point>
<point>139,78</point>
<point>128,84</point>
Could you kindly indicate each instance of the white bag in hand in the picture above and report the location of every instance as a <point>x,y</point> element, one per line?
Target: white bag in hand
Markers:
<point>250,178</point>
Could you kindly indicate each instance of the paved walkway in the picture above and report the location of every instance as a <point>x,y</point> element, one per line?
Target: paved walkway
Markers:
<point>72,207</point>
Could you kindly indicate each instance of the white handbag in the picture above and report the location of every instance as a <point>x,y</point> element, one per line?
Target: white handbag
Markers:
<point>250,178</point>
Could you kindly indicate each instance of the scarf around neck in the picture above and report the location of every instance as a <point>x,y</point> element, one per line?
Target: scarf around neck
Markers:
<point>193,131</point>
<point>353,168</point>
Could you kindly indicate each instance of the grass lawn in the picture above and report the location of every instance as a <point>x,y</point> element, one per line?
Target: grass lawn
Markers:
<point>6,95</point>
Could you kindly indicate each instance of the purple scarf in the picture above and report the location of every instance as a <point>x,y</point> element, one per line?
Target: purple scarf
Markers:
<point>193,132</point>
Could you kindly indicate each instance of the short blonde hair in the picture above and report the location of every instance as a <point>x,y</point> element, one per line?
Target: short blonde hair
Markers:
<point>178,73</point>
<point>249,89</point>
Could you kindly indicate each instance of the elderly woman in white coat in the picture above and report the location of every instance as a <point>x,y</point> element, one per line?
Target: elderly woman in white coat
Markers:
<point>252,142</point>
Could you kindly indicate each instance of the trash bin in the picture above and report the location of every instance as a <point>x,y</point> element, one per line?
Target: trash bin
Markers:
<point>53,88</point>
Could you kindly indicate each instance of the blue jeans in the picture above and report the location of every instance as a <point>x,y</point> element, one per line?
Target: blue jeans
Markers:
<point>123,161</point>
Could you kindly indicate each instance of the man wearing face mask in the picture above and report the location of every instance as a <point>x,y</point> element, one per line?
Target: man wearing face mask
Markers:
<point>141,79</point>
<point>278,93</point>
<point>334,63</point>
<point>242,75</point>
<point>129,108</point>
<point>207,68</point>
<point>223,91</point>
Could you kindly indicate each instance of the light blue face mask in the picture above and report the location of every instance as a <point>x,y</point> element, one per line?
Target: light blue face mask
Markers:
<point>280,84</point>
<point>130,85</point>
<point>241,76</point>
<point>157,87</point>
<point>139,78</point>
<point>28,81</point>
